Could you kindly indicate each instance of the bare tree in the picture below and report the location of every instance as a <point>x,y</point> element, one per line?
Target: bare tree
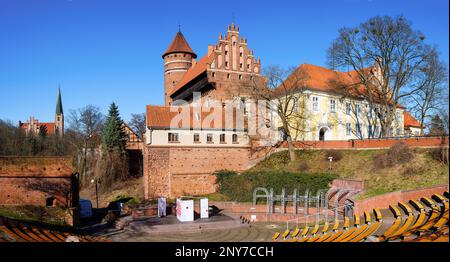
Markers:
<point>282,93</point>
<point>387,55</point>
<point>85,127</point>
<point>428,98</point>
<point>137,122</point>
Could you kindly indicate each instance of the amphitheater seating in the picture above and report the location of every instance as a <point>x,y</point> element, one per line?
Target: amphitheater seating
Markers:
<point>15,231</point>
<point>422,221</point>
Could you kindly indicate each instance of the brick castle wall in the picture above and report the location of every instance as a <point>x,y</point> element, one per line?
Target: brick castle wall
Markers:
<point>177,171</point>
<point>35,191</point>
<point>31,180</point>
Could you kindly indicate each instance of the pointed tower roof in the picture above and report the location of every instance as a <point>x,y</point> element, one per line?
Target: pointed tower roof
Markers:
<point>179,45</point>
<point>59,107</point>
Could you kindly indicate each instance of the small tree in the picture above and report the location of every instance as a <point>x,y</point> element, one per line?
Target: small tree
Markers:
<point>137,122</point>
<point>387,55</point>
<point>283,94</point>
<point>432,83</point>
<point>113,133</point>
<point>437,127</point>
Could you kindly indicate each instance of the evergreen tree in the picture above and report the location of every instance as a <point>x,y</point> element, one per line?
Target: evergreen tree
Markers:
<point>42,132</point>
<point>113,132</point>
<point>437,127</point>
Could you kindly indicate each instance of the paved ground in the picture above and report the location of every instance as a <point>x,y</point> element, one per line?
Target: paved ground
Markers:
<point>256,232</point>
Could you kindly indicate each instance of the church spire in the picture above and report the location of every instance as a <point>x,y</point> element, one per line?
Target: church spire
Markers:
<point>59,107</point>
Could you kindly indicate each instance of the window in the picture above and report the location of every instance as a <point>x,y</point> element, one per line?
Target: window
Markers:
<point>59,118</point>
<point>222,139</point>
<point>315,103</point>
<point>173,137</point>
<point>226,63</point>
<point>235,138</point>
<point>295,104</point>
<point>348,108</point>
<point>226,52</point>
<point>240,54</point>
<point>240,77</point>
<point>240,65</point>
<point>348,130</point>
<point>248,66</point>
<point>197,115</point>
<point>243,105</point>
<point>209,138</point>
<point>358,130</point>
<point>228,76</point>
<point>214,74</point>
<point>333,106</point>
<point>357,109</point>
<point>196,138</point>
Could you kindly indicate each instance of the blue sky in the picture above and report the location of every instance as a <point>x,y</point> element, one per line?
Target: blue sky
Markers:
<point>110,50</point>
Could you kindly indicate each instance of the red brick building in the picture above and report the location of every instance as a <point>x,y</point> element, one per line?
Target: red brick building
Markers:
<point>33,126</point>
<point>180,158</point>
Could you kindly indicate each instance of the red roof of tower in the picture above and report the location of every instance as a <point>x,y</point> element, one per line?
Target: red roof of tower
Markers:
<point>179,45</point>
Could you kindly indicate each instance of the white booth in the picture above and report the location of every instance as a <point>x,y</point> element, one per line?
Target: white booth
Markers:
<point>185,210</point>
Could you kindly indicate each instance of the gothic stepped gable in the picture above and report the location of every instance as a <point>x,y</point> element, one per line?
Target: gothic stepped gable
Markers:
<point>222,73</point>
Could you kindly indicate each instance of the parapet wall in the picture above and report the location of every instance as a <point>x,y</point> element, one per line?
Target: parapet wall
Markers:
<point>383,201</point>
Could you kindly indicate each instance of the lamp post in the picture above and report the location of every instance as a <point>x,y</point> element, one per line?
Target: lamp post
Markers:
<point>95,180</point>
<point>330,168</point>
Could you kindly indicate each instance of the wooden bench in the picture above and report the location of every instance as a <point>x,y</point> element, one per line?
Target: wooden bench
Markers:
<point>444,211</point>
<point>360,229</point>
<point>275,236</point>
<point>325,228</point>
<point>409,221</point>
<point>328,235</point>
<point>398,220</point>
<point>302,237</point>
<point>350,231</point>
<point>17,231</point>
<point>435,214</point>
<point>371,227</point>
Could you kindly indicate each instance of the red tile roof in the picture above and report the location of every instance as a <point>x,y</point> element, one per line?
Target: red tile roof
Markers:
<point>409,120</point>
<point>162,117</point>
<point>328,80</point>
<point>321,78</point>
<point>193,72</point>
<point>179,45</point>
<point>51,127</point>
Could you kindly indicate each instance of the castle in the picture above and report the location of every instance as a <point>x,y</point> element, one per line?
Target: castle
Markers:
<point>33,126</point>
<point>182,148</point>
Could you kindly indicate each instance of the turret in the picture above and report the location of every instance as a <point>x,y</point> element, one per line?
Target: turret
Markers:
<point>178,58</point>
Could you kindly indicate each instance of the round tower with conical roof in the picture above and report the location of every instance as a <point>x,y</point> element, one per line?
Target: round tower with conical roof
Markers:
<point>178,58</point>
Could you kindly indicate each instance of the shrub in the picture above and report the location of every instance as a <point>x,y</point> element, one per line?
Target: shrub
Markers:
<point>303,167</point>
<point>398,153</point>
<point>336,154</point>
<point>440,154</point>
<point>241,187</point>
<point>412,170</point>
<point>223,174</point>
